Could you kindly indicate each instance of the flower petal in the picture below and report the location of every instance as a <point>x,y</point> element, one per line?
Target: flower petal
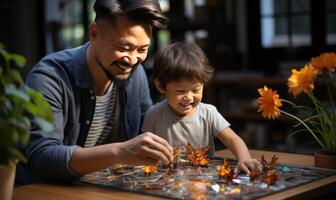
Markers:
<point>269,103</point>
<point>302,81</point>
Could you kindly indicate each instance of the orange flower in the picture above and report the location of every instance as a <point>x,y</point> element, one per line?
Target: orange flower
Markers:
<point>325,61</point>
<point>269,103</point>
<point>302,81</point>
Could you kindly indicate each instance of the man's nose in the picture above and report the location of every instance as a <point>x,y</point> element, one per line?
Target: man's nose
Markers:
<point>132,58</point>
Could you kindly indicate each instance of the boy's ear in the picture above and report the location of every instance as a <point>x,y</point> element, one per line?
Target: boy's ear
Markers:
<point>159,86</point>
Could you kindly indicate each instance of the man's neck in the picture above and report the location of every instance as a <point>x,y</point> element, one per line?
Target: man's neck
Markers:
<point>100,82</point>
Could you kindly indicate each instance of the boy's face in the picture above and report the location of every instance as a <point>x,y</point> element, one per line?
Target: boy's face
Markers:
<point>183,96</point>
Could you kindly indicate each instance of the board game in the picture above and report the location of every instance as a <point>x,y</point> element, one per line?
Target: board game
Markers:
<point>194,176</point>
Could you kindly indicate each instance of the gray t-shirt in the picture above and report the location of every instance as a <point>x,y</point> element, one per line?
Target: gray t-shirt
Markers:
<point>198,129</point>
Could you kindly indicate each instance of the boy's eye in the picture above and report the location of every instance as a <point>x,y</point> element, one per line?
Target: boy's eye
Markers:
<point>180,91</point>
<point>196,91</point>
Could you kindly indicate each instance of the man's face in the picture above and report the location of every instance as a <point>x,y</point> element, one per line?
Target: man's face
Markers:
<point>183,96</point>
<point>119,47</point>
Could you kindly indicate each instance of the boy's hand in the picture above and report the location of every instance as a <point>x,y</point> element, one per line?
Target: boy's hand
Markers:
<point>249,164</point>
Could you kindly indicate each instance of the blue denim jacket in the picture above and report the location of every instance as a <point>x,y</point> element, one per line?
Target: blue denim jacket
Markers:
<point>64,79</point>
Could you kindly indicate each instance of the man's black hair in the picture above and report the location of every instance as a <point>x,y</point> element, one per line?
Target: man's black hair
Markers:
<point>144,11</point>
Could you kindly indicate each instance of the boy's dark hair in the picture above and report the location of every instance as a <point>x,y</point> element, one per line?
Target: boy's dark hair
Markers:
<point>181,61</point>
<point>144,11</point>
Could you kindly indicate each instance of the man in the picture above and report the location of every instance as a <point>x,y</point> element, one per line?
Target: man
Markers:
<point>98,93</point>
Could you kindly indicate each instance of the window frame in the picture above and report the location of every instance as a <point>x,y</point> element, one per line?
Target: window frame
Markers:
<point>268,59</point>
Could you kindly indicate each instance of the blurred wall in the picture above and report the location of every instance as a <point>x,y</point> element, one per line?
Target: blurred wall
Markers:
<point>21,29</point>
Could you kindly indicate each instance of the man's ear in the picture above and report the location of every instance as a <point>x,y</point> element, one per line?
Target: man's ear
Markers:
<point>93,31</point>
<point>159,86</point>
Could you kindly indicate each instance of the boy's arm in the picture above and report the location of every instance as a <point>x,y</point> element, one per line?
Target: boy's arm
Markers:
<point>234,143</point>
<point>238,147</point>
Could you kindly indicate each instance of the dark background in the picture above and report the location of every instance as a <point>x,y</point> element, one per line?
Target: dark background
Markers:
<point>250,43</point>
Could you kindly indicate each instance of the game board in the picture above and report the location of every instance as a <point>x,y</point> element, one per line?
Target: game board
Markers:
<point>188,181</point>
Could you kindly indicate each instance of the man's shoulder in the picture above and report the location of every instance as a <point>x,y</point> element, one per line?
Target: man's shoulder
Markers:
<point>59,58</point>
<point>61,64</point>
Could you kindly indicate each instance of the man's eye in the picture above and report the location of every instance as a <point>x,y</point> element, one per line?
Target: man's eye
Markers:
<point>180,91</point>
<point>142,50</point>
<point>123,49</point>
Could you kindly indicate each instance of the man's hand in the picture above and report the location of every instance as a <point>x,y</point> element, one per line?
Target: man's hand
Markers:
<point>146,148</point>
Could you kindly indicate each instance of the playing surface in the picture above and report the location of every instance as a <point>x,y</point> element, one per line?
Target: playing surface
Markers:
<point>186,181</point>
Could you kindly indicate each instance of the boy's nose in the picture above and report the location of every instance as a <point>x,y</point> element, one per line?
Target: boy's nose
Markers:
<point>188,96</point>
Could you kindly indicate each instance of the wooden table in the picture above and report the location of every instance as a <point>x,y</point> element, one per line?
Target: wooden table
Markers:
<point>85,192</point>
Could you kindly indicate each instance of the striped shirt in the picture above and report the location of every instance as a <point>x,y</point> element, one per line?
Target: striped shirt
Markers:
<point>103,119</point>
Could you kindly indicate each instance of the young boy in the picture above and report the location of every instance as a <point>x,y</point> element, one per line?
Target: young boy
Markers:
<point>180,72</point>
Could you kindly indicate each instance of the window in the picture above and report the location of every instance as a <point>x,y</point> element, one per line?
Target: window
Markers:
<point>73,27</point>
<point>331,19</point>
<point>66,23</point>
<point>285,23</point>
<point>285,33</point>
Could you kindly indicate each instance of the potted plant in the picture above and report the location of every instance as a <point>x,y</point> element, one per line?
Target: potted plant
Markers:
<point>318,119</point>
<point>19,105</point>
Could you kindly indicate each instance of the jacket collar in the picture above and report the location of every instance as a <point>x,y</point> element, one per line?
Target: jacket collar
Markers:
<point>81,70</point>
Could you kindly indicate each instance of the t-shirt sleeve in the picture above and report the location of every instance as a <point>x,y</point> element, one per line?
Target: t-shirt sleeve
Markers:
<point>149,121</point>
<point>218,121</point>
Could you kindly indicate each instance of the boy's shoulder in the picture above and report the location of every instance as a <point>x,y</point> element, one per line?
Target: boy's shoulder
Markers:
<point>158,107</point>
<point>205,107</point>
<point>207,111</point>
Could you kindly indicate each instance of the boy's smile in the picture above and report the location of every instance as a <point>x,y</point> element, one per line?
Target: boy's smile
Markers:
<point>183,96</point>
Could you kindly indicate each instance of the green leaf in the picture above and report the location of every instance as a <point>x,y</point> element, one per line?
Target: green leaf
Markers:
<point>44,124</point>
<point>35,95</point>
<point>18,59</point>
<point>19,122</point>
<point>19,105</point>
<point>24,136</point>
<point>14,135</point>
<point>2,46</point>
<point>12,90</point>
<point>5,54</point>
<point>17,155</point>
<point>8,104</point>
<point>16,76</point>
<point>43,108</point>
<point>32,108</point>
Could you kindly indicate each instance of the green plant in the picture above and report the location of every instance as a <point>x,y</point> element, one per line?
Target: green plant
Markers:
<point>19,105</point>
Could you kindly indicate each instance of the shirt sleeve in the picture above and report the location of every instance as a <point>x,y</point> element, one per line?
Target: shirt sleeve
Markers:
<point>218,121</point>
<point>149,121</point>
<point>48,157</point>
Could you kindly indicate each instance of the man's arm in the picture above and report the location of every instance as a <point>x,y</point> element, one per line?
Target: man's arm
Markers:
<point>47,156</point>
<point>146,148</point>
